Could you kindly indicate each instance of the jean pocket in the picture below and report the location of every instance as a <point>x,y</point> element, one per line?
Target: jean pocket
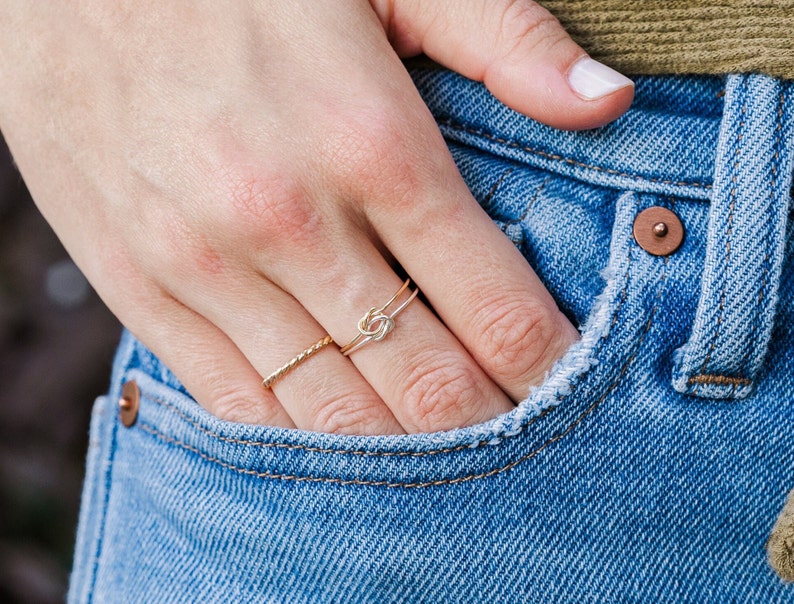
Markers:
<point>171,420</point>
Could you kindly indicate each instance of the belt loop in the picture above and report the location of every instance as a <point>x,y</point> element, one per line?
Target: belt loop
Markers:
<point>746,241</point>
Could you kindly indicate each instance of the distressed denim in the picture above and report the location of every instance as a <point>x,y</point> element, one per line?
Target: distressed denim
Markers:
<point>649,466</point>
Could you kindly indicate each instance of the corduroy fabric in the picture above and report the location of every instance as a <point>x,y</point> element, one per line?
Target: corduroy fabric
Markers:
<point>683,36</point>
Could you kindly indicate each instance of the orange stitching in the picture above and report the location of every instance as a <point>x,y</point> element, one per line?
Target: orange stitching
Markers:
<point>720,380</point>
<point>271,445</point>
<point>444,481</point>
<point>383,483</point>
<point>341,481</point>
<point>567,160</point>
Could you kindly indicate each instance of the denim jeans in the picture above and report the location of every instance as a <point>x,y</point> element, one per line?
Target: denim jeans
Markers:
<point>649,466</point>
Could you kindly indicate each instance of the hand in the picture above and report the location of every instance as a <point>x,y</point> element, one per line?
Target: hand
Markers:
<point>239,179</point>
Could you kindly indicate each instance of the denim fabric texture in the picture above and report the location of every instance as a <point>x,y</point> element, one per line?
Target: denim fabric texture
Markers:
<point>624,477</point>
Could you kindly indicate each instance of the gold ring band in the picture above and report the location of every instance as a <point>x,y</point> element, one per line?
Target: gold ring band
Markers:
<point>376,324</point>
<point>297,360</point>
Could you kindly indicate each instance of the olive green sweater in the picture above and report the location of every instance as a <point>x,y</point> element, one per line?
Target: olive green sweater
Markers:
<point>683,36</point>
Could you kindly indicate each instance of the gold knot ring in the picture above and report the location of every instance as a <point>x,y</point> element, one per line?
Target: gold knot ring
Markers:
<point>376,324</point>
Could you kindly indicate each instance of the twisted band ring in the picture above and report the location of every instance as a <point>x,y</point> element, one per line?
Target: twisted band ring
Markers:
<point>297,360</point>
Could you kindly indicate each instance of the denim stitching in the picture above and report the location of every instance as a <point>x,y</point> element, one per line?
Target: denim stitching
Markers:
<point>719,380</point>
<point>695,379</point>
<point>441,482</point>
<point>489,196</point>
<point>770,222</point>
<point>573,162</point>
<point>383,483</point>
<point>362,453</point>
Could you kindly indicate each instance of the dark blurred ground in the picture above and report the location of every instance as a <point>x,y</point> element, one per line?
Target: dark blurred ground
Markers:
<point>56,347</point>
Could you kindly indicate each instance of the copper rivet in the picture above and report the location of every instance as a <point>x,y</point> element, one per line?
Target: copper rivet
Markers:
<point>658,231</point>
<point>128,403</point>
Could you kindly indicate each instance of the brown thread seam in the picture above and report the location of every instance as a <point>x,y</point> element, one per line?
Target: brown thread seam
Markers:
<point>719,380</point>
<point>444,481</point>
<point>384,483</point>
<point>567,160</point>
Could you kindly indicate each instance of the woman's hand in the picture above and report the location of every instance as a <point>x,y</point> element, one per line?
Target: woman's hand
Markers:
<point>239,179</point>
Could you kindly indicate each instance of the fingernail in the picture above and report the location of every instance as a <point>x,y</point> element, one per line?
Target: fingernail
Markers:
<point>592,80</point>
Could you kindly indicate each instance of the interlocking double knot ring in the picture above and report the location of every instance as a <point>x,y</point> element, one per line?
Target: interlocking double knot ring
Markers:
<point>376,324</point>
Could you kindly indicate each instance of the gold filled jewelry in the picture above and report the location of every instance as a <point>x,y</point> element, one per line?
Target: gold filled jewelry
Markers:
<point>297,360</point>
<point>376,324</point>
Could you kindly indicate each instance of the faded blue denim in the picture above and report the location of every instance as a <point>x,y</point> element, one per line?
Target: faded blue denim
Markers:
<point>649,467</point>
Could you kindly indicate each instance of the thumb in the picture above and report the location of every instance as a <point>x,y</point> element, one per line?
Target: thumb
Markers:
<point>518,50</point>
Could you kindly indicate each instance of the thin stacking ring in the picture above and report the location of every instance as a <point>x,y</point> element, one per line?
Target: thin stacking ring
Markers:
<point>376,324</point>
<point>297,360</point>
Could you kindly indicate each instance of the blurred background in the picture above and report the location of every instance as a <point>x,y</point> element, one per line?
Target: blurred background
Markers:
<point>56,347</point>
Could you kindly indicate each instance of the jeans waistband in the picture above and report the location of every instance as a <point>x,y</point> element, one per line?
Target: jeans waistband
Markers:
<point>666,143</point>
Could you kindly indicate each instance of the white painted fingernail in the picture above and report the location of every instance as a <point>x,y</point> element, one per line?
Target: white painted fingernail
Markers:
<point>592,80</point>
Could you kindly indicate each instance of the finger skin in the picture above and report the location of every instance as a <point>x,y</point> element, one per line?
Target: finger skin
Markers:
<point>420,370</point>
<point>484,291</point>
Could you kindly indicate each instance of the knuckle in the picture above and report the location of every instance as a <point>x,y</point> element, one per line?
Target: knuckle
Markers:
<point>516,338</point>
<point>269,206</point>
<point>242,405</point>
<point>523,23</point>
<point>184,248</point>
<point>366,138</point>
<point>442,394</point>
<point>222,393</point>
<point>374,152</point>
